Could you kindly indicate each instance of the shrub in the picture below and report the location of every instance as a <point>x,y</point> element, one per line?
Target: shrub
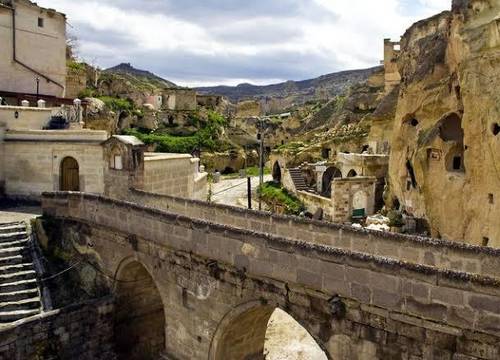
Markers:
<point>117,104</point>
<point>273,194</point>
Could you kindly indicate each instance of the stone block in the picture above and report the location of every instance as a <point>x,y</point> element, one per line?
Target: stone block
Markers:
<point>444,295</point>
<point>309,279</point>
<point>387,299</point>
<point>484,303</point>
<point>431,311</point>
<point>361,293</point>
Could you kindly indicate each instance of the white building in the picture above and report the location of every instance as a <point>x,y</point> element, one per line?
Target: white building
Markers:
<point>33,46</point>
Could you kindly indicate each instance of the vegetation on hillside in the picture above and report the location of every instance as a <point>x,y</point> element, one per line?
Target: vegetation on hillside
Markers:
<point>208,137</point>
<point>276,196</point>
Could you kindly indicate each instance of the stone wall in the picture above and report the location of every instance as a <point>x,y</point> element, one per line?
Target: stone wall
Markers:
<point>432,252</point>
<point>81,331</point>
<point>314,202</point>
<point>24,118</point>
<point>173,174</point>
<point>32,167</point>
<point>41,48</point>
<point>179,99</point>
<point>211,276</point>
<point>349,194</point>
<point>76,82</point>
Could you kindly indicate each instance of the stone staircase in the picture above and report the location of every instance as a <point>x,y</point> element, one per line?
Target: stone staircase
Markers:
<point>298,179</point>
<point>19,291</point>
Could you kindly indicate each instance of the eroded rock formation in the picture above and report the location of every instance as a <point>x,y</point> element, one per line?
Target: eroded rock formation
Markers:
<point>445,159</point>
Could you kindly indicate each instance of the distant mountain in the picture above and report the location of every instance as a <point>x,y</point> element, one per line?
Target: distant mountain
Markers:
<point>128,70</point>
<point>330,85</point>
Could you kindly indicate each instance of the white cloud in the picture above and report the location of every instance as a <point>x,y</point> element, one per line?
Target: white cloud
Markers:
<point>313,38</point>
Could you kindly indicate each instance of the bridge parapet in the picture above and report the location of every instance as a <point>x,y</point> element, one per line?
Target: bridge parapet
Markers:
<point>442,254</point>
<point>442,300</point>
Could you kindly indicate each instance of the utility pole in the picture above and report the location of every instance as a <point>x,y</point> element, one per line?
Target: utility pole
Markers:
<point>260,136</point>
<point>37,79</point>
<point>249,192</point>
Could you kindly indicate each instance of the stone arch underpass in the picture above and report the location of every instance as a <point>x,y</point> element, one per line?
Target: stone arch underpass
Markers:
<point>212,287</point>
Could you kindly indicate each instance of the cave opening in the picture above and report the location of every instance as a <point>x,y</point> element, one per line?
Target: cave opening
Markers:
<point>495,129</point>
<point>411,173</point>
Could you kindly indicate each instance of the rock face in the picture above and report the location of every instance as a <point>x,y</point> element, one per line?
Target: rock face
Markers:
<point>445,159</point>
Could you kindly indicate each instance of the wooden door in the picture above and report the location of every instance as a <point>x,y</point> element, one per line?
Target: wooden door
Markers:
<point>70,175</point>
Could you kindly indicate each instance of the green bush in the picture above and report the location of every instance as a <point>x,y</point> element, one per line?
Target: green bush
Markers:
<point>274,194</point>
<point>86,93</point>
<point>117,104</point>
<point>206,138</point>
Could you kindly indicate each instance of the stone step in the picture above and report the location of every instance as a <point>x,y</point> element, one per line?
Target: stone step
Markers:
<point>11,260</point>
<point>18,235</point>
<point>12,251</point>
<point>12,228</point>
<point>8,269</point>
<point>18,285</point>
<point>17,276</point>
<point>25,304</point>
<point>15,243</point>
<point>18,295</point>
<point>11,316</point>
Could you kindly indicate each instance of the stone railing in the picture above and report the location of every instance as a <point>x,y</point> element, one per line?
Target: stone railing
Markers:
<point>445,301</point>
<point>414,249</point>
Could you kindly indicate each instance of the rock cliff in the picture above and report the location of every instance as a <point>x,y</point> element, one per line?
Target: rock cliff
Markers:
<point>445,157</point>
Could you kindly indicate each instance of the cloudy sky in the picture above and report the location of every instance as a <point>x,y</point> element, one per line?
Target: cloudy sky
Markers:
<point>210,42</point>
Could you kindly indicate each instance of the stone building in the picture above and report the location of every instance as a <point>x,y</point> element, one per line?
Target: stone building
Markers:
<point>41,151</point>
<point>33,47</point>
<point>347,187</point>
<point>391,53</point>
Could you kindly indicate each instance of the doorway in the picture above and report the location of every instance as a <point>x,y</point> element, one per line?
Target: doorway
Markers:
<point>70,175</point>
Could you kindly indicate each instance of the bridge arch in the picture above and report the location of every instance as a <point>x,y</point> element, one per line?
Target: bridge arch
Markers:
<point>139,322</point>
<point>242,333</point>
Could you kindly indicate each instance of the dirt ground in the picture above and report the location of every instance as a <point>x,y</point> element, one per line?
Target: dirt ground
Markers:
<point>287,340</point>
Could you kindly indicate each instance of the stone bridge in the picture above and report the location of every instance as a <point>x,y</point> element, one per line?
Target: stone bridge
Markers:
<point>193,288</point>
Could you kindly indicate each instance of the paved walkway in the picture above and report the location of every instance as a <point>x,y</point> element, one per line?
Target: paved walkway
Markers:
<point>19,214</point>
<point>234,191</point>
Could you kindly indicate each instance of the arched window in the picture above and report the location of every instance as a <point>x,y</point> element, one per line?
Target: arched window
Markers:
<point>352,173</point>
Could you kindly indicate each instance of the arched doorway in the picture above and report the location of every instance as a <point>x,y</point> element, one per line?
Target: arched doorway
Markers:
<point>70,175</point>
<point>330,174</point>
<point>359,204</point>
<point>263,332</point>
<point>277,173</point>
<point>139,325</point>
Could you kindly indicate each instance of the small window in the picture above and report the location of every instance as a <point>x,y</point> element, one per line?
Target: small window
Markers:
<point>40,22</point>
<point>457,163</point>
<point>491,199</point>
<point>117,162</point>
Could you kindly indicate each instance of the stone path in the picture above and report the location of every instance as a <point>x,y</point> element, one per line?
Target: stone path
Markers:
<point>234,191</point>
<point>19,214</point>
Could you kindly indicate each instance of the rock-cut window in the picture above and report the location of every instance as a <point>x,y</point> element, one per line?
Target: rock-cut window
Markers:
<point>41,22</point>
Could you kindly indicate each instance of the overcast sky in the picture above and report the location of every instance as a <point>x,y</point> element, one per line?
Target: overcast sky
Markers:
<point>211,42</point>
